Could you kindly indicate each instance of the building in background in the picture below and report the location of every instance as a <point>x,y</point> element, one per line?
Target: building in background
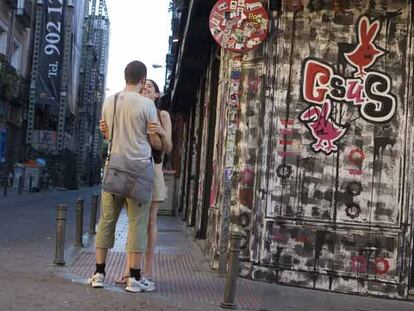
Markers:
<point>15,51</point>
<point>303,145</point>
<point>92,92</point>
<point>64,96</point>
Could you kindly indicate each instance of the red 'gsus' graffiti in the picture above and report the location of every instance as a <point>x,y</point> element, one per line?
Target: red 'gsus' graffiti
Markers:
<point>369,91</point>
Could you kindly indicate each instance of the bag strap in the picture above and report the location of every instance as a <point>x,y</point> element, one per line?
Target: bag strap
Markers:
<point>113,125</point>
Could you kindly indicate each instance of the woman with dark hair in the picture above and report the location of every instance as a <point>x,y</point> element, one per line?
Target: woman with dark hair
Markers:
<point>163,129</point>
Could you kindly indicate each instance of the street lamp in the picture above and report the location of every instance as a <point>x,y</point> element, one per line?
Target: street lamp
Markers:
<point>156,66</point>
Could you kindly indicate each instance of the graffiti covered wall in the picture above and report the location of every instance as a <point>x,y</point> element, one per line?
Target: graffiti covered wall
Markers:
<point>235,156</point>
<point>218,215</point>
<point>312,150</point>
<point>332,205</point>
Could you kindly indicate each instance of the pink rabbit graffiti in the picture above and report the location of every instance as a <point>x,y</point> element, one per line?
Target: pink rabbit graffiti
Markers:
<point>366,52</point>
<point>323,128</point>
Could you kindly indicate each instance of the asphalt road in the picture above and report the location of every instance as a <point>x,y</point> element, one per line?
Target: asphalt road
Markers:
<point>28,279</point>
<point>27,242</point>
<point>28,222</point>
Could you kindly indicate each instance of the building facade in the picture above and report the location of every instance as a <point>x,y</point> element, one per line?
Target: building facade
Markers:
<point>304,145</point>
<point>15,51</point>
<point>66,87</point>
<point>92,92</point>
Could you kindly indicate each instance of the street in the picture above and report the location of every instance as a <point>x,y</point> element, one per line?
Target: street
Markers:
<point>27,273</point>
<point>29,280</point>
<point>27,224</point>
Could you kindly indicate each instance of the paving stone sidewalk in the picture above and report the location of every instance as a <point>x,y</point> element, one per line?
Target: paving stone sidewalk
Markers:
<point>181,273</point>
<point>184,280</point>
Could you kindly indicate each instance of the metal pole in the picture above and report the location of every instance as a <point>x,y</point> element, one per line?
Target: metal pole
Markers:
<point>60,234</point>
<point>231,280</point>
<point>19,186</point>
<point>94,208</point>
<point>79,222</point>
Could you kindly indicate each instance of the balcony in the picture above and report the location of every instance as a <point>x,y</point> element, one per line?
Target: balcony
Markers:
<point>24,12</point>
<point>171,60</point>
<point>8,80</point>
<point>13,87</point>
<point>21,95</point>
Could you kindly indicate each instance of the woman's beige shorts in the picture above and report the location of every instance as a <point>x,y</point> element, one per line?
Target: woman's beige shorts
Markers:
<point>159,192</point>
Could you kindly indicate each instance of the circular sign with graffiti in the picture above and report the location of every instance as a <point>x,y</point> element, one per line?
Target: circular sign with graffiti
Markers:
<point>239,25</point>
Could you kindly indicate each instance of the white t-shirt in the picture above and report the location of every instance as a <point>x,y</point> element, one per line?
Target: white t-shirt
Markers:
<point>133,112</point>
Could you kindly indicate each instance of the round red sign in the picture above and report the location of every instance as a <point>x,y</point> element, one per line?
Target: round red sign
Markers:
<point>239,25</point>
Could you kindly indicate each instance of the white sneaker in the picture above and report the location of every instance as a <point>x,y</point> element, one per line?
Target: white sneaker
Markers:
<point>96,281</point>
<point>151,284</point>
<point>135,286</point>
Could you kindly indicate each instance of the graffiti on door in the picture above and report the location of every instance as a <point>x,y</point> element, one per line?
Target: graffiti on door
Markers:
<point>324,90</point>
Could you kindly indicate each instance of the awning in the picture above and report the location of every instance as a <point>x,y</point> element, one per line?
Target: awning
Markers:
<point>194,55</point>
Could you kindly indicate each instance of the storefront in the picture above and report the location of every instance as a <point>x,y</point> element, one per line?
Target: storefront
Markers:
<point>312,157</point>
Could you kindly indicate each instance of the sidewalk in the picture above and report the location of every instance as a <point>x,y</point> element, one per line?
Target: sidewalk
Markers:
<point>181,273</point>
<point>184,279</point>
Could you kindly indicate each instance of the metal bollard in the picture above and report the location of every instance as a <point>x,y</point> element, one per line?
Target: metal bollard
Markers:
<point>60,234</point>
<point>79,223</point>
<point>94,208</point>
<point>232,274</point>
<point>20,185</point>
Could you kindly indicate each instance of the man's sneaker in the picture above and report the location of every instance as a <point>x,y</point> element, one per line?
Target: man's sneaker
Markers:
<point>135,286</point>
<point>96,281</point>
<point>151,284</point>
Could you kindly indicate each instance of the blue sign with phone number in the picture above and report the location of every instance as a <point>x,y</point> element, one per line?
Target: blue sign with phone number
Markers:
<point>3,139</point>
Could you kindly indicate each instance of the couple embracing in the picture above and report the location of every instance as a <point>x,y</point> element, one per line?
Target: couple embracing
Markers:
<point>134,128</point>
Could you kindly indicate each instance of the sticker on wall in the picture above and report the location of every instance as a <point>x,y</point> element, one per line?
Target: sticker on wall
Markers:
<point>239,25</point>
<point>370,91</point>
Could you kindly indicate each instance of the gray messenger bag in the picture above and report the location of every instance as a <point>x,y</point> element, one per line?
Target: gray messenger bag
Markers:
<point>127,178</point>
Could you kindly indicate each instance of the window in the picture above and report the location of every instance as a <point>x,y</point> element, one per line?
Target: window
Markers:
<point>16,54</point>
<point>3,38</point>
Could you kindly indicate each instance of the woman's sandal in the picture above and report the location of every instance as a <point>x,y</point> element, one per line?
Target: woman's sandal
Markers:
<point>122,280</point>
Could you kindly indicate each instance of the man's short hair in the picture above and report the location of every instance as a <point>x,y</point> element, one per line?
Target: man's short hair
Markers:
<point>135,72</point>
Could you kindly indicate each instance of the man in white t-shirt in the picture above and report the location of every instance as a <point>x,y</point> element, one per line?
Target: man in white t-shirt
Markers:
<point>134,113</point>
